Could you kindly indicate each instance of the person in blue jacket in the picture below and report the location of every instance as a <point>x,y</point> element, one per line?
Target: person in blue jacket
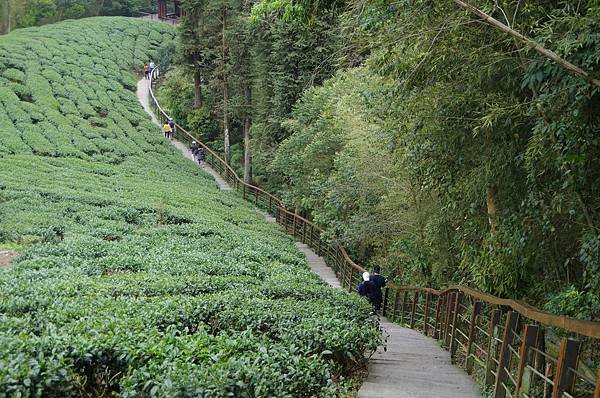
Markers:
<point>378,282</point>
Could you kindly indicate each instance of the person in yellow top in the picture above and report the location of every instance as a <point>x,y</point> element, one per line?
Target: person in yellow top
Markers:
<point>166,129</point>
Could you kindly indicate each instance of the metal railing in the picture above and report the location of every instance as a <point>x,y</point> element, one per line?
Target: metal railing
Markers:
<point>508,346</point>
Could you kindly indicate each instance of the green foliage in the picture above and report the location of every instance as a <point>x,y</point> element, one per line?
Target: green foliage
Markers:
<point>300,11</point>
<point>575,303</point>
<point>452,156</point>
<point>264,63</point>
<point>25,13</point>
<point>176,95</point>
<point>287,59</point>
<point>136,275</point>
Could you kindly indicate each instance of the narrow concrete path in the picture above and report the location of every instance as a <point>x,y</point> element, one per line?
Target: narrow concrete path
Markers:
<point>144,97</point>
<point>143,94</point>
<point>412,365</point>
<point>6,256</point>
<point>318,266</point>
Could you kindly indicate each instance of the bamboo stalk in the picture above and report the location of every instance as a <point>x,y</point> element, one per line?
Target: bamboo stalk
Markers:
<point>574,70</point>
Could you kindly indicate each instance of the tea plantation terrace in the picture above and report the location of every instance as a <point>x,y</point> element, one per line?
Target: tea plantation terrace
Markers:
<point>135,275</point>
<point>500,342</point>
<point>392,369</point>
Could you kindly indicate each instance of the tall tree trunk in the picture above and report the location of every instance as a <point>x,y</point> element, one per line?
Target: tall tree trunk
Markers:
<point>247,126</point>
<point>8,15</point>
<point>100,8</point>
<point>197,87</point>
<point>4,17</point>
<point>491,208</point>
<point>225,91</point>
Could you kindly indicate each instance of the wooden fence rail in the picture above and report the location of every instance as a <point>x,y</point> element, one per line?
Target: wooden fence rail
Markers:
<point>512,348</point>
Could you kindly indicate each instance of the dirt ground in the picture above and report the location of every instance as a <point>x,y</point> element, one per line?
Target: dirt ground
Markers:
<point>6,257</point>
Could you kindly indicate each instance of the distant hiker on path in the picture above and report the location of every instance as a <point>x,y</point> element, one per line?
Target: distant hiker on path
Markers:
<point>172,126</point>
<point>194,149</point>
<point>151,69</point>
<point>146,72</point>
<point>200,155</point>
<point>378,283</point>
<point>365,287</point>
<point>166,129</point>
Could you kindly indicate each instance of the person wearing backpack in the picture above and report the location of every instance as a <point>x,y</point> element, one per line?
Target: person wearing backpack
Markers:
<point>194,149</point>
<point>166,129</point>
<point>151,69</point>
<point>366,287</point>
<point>172,126</point>
<point>146,72</point>
<point>379,282</point>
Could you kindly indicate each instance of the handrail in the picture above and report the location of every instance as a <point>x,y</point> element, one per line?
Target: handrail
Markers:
<point>467,322</point>
<point>579,326</point>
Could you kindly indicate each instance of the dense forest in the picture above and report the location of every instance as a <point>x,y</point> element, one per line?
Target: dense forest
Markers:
<point>23,13</point>
<point>424,139</point>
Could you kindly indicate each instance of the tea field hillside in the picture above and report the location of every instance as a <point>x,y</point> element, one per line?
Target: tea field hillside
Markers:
<point>135,276</point>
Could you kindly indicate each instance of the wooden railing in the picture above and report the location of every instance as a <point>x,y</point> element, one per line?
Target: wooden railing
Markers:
<point>511,348</point>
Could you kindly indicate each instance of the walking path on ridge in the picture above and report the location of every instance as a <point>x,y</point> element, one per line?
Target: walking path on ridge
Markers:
<point>144,97</point>
<point>412,366</point>
<point>6,256</point>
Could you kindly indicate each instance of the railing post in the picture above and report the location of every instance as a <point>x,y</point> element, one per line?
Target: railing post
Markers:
<point>319,246</point>
<point>350,279</point>
<point>403,307</point>
<point>507,339</point>
<point>255,197</point>
<point>597,390</point>
<point>472,336</point>
<point>244,194</point>
<point>426,314</point>
<point>436,323</point>
<point>529,339</point>
<point>539,360</point>
<point>395,307</point>
<point>455,324</point>
<point>384,301</point>
<point>489,363</point>
<point>340,265</point>
<point>414,309</point>
<point>270,203</point>
<point>568,354</point>
<point>287,221</point>
<point>448,318</point>
<point>303,231</point>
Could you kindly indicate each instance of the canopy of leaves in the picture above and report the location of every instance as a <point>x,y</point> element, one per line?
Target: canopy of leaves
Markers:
<point>440,147</point>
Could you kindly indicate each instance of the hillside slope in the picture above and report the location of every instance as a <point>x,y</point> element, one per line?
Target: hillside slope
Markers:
<point>136,276</point>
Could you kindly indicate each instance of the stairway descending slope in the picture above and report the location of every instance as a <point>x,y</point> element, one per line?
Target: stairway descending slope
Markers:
<point>143,96</point>
<point>411,366</point>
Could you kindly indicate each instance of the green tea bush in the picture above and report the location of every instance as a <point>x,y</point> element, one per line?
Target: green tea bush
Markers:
<point>136,276</point>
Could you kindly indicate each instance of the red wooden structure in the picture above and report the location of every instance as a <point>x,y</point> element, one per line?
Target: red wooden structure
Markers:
<point>163,12</point>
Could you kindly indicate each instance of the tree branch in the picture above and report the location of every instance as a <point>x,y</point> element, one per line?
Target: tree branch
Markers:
<point>530,43</point>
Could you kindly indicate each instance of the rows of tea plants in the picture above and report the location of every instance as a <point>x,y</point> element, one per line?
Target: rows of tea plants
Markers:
<point>66,89</point>
<point>136,276</point>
